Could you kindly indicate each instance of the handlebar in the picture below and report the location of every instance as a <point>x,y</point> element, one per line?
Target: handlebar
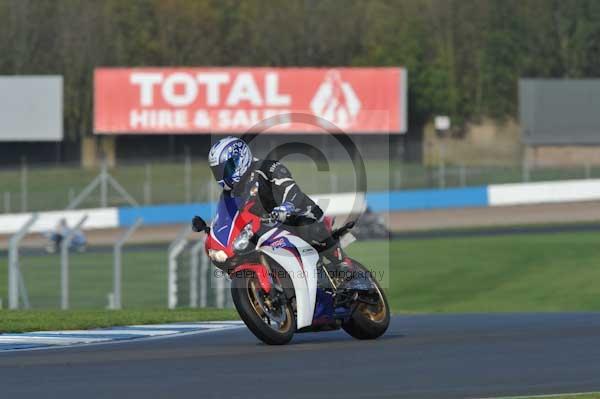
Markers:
<point>268,219</point>
<point>337,233</point>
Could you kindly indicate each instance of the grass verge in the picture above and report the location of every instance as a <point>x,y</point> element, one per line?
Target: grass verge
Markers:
<point>44,320</point>
<point>512,273</point>
<point>509,273</point>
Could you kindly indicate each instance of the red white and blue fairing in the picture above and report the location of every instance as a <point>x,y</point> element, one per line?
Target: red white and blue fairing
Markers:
<point>296,256</point>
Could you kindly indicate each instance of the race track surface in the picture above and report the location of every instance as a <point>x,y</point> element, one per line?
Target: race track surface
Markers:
<point>422,356</point>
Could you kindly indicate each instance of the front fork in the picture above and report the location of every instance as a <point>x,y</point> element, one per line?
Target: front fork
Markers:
<point>334,256</point>
<point>268,282</point>
<point>274,280</point>
<point>271,284</point>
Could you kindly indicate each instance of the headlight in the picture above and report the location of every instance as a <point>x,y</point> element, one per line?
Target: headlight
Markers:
<point>243,239</point>
<point>217,256</point>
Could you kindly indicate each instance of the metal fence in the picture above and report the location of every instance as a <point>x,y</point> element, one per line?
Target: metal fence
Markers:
<point>112,275</point>
<point>185,180</point>
<point>33,187</point>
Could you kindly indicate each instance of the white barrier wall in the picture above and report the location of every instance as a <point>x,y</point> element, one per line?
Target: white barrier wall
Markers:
<point>101,218</point>
<point>333,204</point>
<point>544,192</point>
<point>340,204</point>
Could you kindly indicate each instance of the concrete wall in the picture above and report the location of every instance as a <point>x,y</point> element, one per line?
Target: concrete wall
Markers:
<point>567,155</point>
<point>484,143</point>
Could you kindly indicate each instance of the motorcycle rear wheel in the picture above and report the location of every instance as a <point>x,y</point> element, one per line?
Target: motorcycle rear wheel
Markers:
<point>274,325</point>
<point>369,321</point>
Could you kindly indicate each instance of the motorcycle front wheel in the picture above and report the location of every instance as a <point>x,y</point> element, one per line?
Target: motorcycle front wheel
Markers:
<point>369,321</point>
<point>270,319</point>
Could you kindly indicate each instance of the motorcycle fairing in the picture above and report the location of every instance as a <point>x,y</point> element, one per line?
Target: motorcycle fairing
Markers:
<point>299,259</point>
<point>324,311</point>
<point>228,221</point>
<point>222,225</point>
<point>261,272</point>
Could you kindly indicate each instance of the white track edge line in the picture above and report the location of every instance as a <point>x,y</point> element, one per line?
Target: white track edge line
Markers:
<point>117,342</point>
<point>552,395</point>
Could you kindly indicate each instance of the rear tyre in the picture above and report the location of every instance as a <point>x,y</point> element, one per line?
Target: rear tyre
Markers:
<point>369,321</point>
<point>272,322</point>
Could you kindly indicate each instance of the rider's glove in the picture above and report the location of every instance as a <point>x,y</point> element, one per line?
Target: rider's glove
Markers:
<point>282,212</point>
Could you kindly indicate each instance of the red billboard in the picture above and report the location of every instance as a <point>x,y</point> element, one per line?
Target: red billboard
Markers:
<point>234,100</point>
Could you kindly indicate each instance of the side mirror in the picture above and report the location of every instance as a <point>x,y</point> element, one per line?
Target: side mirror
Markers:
<point>198,225</point>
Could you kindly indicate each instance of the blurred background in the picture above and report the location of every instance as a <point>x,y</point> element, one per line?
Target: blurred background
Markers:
<point>476,120</point>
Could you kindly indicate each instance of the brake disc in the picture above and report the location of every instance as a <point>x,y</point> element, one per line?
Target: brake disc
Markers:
<point>269,311</point>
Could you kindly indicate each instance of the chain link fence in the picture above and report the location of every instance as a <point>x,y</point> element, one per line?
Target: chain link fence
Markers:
<point>91,279</point>
<point>37,187</point>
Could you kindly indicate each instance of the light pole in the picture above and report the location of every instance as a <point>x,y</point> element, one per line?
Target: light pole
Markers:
<point>442,127</point>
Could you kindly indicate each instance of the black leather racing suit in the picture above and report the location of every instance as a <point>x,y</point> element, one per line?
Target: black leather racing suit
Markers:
<point>276,187</point>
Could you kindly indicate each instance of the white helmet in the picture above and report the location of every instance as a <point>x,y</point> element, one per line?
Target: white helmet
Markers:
<point>229,158</point>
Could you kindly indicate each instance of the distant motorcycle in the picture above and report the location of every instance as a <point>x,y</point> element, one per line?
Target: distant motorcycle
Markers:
<point>371,226</point>
<point>78,242</point>
<point>282,285</point>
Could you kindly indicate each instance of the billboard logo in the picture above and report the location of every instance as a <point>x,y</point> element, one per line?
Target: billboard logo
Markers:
<point>336,101</point>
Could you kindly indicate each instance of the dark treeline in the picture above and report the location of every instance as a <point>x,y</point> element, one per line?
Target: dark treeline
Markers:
<point>464,57</point>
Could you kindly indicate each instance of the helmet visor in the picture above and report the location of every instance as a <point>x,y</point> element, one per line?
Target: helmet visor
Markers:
<point>223,173</point>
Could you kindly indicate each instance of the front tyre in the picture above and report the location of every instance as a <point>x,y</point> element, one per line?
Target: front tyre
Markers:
<point>369,320</point>
<point>270,319</point>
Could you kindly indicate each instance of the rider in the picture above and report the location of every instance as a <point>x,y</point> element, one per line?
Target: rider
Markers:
<point>232,164</point>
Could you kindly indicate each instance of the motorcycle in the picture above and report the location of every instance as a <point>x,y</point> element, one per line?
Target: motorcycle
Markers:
<point>54,240</point>
<point>280,284</point>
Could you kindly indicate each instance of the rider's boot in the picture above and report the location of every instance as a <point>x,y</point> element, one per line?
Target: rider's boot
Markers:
<point>352,277</point>
<point>340,265</point>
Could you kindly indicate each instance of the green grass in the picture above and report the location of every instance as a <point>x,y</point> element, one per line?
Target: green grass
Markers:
<point>51,187</point>
<point>49,320</point>
<point>521,273</point>
<point>91,279</point>
<point>483,229</point>
<point>144,279</point>
<point>531,272</point>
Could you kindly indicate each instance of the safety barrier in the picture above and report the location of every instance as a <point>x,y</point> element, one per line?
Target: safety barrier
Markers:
<point>335,204</point>
<point>429,199</point>
<point>99,218</point>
